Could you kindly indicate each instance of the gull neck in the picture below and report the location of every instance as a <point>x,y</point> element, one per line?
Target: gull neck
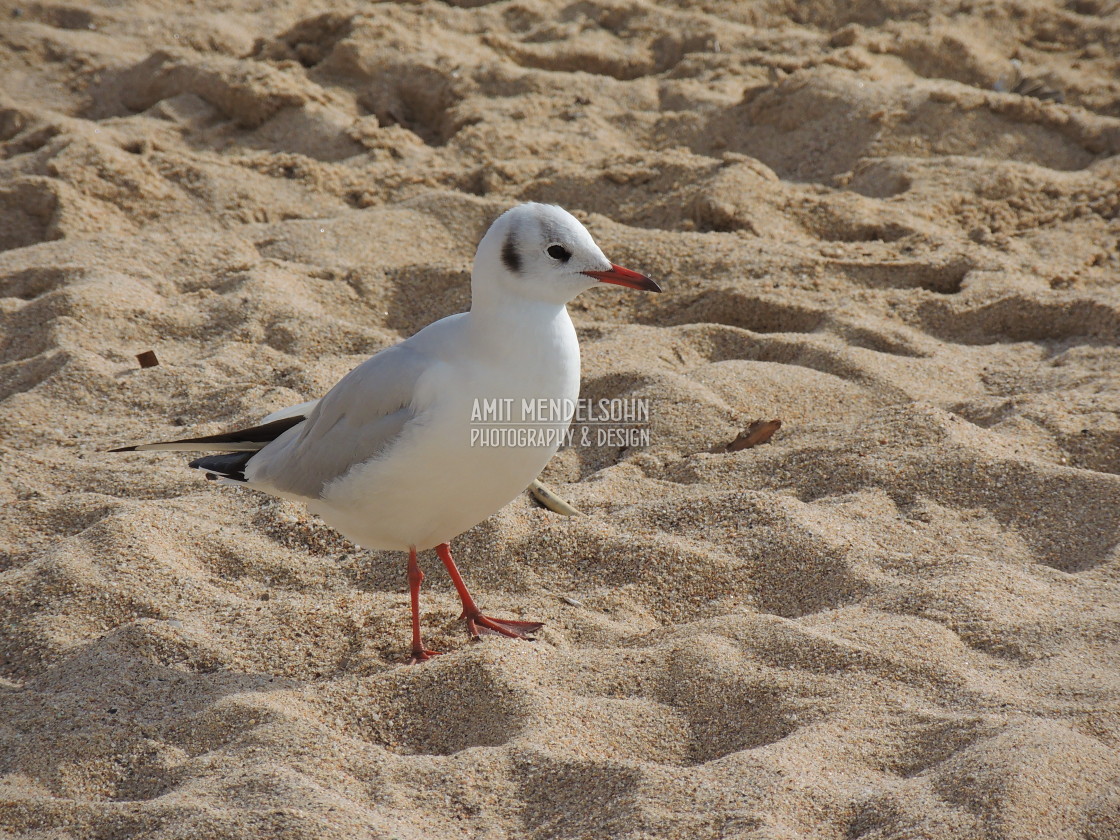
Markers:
<point>518,324</point>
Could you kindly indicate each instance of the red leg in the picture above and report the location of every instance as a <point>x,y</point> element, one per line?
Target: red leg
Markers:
<point>415,578</point>
<point>478,623</point>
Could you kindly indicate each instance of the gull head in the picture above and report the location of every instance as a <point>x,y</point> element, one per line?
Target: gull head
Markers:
<point>541,252</point>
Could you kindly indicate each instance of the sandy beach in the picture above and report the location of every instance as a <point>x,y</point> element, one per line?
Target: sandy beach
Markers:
<point>892,226</point>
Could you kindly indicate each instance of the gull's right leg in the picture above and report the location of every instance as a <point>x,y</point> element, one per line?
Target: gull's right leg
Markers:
<point>477,623</point>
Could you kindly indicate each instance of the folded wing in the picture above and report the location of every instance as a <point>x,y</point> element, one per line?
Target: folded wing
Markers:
<point>301,449</point>
<point>358,419</point>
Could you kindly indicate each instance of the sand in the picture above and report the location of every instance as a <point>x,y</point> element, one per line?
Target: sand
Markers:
<point>899,618</point>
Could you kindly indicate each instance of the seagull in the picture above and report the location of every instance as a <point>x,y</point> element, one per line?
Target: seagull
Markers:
<point>390,457</point>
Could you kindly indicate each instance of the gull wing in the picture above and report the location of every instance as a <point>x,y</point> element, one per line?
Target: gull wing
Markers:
<point>358,419</point>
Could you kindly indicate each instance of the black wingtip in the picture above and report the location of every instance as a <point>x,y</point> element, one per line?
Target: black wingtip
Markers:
<point>257,434</point>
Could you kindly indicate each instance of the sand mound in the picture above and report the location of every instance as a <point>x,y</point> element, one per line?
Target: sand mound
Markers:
<point>897,619</point>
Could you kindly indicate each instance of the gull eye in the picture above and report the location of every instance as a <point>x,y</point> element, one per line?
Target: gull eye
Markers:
<point>559,252</point>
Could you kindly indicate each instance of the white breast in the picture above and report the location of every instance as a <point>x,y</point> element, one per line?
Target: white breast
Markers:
<point>439,479</point>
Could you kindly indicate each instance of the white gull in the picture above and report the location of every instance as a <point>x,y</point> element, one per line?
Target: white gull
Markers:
<point>386,456</point>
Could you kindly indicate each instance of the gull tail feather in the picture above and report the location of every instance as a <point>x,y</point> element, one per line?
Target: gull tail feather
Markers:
<point>229,468</point>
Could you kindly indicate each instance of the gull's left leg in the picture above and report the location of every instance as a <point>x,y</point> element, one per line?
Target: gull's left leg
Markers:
<point>478,623</point>
<point>415,578</point>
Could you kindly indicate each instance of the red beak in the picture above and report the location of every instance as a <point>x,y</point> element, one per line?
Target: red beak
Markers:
<point>625,277</point>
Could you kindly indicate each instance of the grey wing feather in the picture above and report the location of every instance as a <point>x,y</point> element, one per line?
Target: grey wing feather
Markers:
<point>301,410</point>
<point>357,419</point>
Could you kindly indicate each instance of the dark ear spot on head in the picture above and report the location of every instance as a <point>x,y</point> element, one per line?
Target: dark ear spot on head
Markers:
<point>510,258</point>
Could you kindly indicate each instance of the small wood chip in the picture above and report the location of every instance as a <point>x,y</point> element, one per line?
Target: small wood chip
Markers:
<point>147,359</point>
<point>760,431</point>
<point>548,498</point>
<point>571,602</point>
